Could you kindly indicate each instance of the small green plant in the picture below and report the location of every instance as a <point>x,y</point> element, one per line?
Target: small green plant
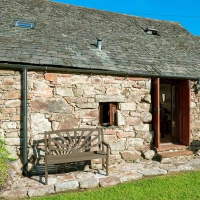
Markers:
<point>4,166</point>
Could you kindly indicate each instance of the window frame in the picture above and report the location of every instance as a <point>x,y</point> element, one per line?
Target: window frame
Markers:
<point>112,108</point>
<point>21,23</point>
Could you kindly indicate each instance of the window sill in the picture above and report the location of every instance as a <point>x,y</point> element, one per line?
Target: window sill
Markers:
<point>107,126</point>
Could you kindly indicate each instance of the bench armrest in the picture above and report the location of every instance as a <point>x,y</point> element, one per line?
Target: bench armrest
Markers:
<point>106,144</point>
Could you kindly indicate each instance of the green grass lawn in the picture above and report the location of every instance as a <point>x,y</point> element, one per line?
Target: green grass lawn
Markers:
<point>180,186</point>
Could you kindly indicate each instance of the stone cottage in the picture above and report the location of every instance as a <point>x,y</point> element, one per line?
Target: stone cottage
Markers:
<point>63,66</point>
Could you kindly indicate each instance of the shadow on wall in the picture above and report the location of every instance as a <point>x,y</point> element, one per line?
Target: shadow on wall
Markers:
<point>195,147</point>
<point>36,161</point>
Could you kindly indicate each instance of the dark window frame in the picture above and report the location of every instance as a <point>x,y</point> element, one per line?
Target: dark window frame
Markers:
<point>108,113</point>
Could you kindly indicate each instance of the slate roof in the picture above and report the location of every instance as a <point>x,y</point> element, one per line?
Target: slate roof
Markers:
<point>65,35</point>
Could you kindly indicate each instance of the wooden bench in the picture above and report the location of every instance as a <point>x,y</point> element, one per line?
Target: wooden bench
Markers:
<point>74,145</point>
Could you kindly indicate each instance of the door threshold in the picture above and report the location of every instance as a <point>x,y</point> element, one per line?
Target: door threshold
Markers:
<point>171,146</point>
<point>169,143</point>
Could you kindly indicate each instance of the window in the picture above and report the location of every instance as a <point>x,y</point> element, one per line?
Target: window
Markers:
<point>151,31</point>
<point>107,114</point>
<point>23,23</point>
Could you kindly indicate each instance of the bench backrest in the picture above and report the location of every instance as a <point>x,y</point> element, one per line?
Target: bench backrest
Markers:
<point>70,141</point>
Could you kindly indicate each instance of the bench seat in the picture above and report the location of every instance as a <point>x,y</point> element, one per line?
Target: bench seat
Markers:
<point>60,159</point>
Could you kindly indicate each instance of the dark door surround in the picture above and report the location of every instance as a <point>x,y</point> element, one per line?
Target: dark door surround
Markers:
<point>183,111</point>
<point>156,110</point>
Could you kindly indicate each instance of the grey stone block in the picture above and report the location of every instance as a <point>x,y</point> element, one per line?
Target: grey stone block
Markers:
<point>69,185</point>
<point>130,176</point>
<point>41,191</point>
<point>89,183</point>
<point>14,194</point>
<point>109,181</point>
<point>152,172</point>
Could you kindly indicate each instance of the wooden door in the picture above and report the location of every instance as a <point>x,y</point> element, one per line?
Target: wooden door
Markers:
<point>156,110</point>
<point>175,112</point>
<point>184,112</point>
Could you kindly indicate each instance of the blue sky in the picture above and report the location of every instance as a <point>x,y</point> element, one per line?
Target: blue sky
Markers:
<point>186,12</point>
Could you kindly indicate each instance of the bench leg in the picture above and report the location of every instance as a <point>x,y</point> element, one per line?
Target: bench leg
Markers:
<point>46,172</point>
<point>107,165</point>
<point>103,163</point>
<point>107,161</point>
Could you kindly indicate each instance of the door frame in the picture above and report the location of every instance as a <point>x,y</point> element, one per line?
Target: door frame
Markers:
<point>155,83</point>
<point>183,114</point>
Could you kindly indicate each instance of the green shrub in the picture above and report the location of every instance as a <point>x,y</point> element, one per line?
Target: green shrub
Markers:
<point>4,166</point>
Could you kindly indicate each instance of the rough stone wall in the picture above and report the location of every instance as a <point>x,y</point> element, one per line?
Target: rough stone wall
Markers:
<point>10,110</point>
<point>195,116</point>
<point>60,101</point>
